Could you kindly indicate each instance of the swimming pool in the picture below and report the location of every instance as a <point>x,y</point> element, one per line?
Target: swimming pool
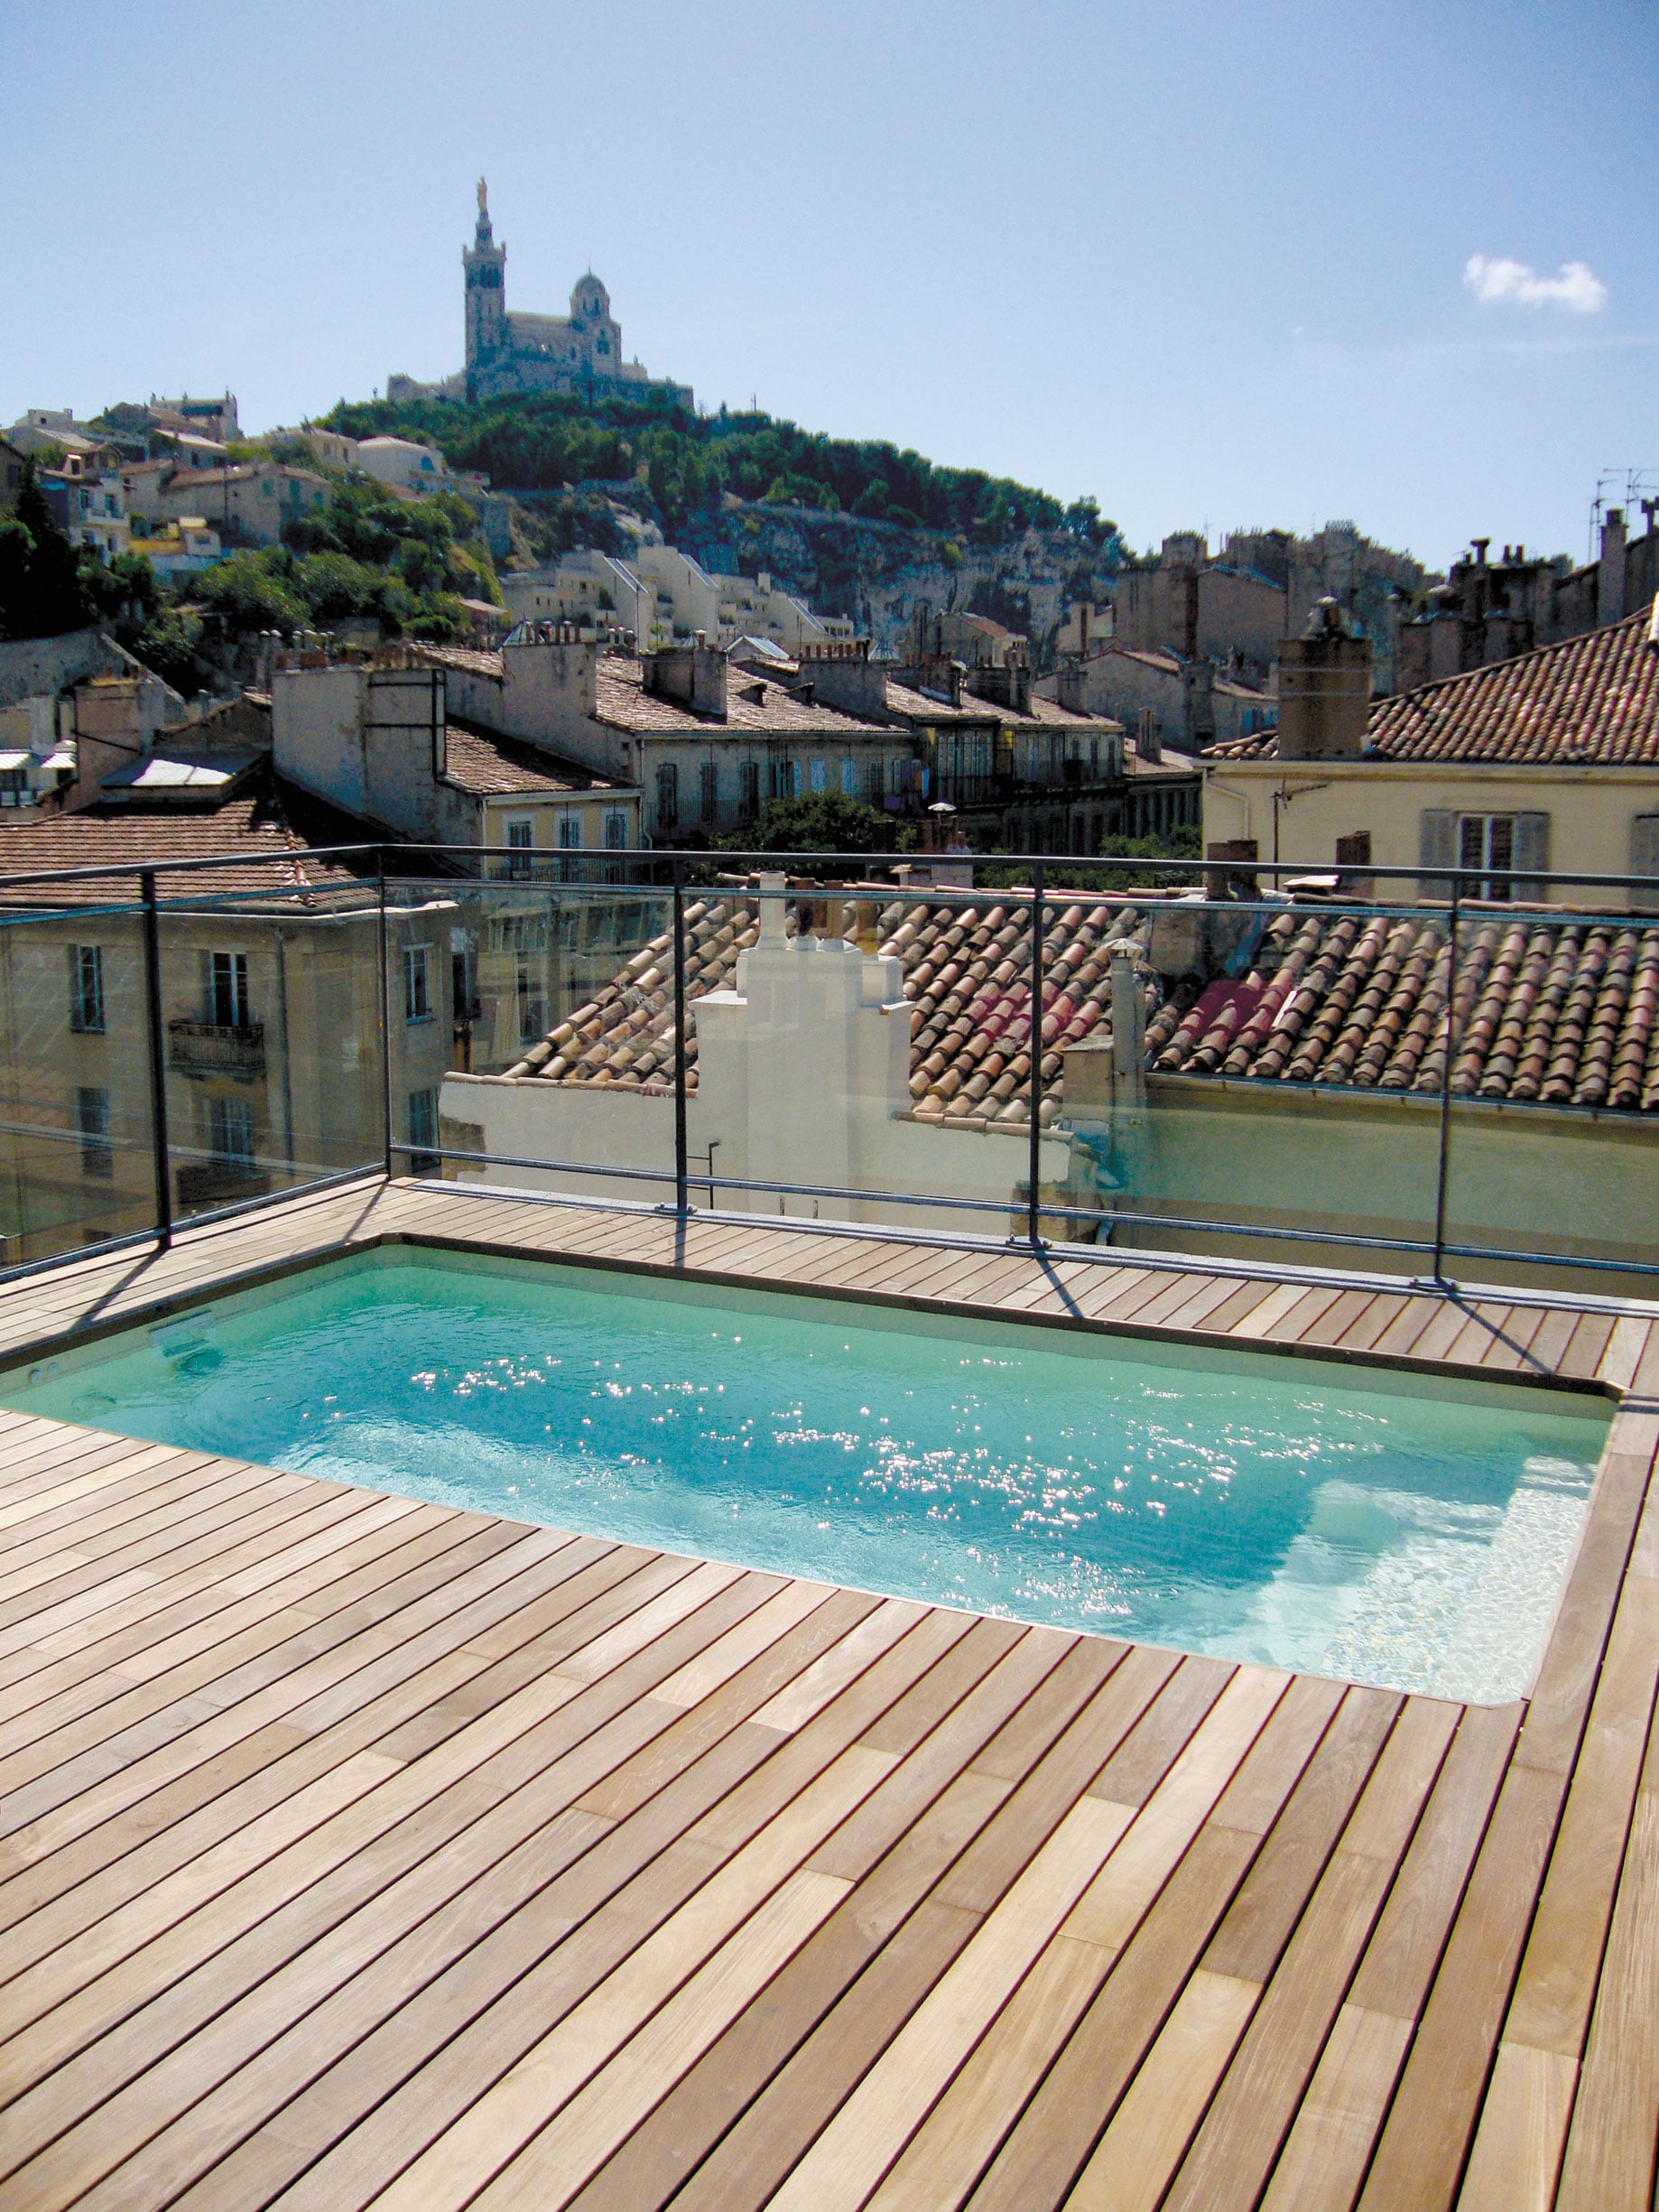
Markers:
<point>1412,1531</point>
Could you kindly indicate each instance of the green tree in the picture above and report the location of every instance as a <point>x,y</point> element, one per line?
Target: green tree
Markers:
<point>40,594</point>
<point>169,643</point>
<point>250,593</point>
<point>821,822</point>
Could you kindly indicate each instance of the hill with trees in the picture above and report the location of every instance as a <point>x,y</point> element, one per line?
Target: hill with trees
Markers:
<point>858,526</point>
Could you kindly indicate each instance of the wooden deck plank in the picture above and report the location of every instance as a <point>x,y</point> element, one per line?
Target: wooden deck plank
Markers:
<point>342,1833</point>
<point>1246,1298</point>
<point>537,1840</point>
<point>813,2038</point>
<point>1302,1312</point>
<point>511,2015</point>
<point>1237,2146</point>
<point>530,1826</point>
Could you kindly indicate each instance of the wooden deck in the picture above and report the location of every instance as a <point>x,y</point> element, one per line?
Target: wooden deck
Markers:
<point>355,1851</point>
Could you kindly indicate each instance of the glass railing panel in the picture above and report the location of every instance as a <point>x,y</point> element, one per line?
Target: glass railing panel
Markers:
<point>271,1032</point>
<point>1247,1070</point>
<point>1553,1151</point>
<point>77,1162</point>
<point>531,1021</point>
<point>867,1061</point>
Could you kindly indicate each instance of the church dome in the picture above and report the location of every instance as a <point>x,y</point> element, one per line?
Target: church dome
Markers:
<point>589,302</point>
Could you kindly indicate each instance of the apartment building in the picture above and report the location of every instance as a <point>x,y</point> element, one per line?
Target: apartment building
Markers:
<point>1549,761</point>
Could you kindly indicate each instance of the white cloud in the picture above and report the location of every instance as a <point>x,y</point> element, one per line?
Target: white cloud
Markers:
<point>1577,288</point>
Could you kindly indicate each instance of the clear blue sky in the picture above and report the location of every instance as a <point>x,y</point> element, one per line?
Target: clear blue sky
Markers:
<point>1206,259</point>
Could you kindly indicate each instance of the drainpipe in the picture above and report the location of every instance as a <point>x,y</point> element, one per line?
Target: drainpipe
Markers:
<point>281,1008</point>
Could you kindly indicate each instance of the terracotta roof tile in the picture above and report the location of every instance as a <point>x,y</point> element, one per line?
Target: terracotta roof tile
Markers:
<point>1563,1013</point>
<point>257,827</point>
<point>1587,701</point>
<point>489,766</point>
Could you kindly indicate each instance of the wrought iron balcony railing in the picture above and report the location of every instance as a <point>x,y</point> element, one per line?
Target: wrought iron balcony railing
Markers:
<point>217,1048</point>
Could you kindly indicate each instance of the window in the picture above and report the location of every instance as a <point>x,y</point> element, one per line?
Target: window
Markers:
<point>711,781</point>
<point>230,1134</point>
<point>521,839</point>
<point>227,989</point>
<point>668,796</point>
<point>877,782</point>
<point>1644,861</point>
<point>821,775</point>
<point>92,1121</point>
<point>1483,848</point>
<point>423,1157</point>
<point>86,989</point>
<point>569,835</point>
<point>616,841</point>
<point>849,777</point>
<point>749,790</point>
<point>14,786</point>
<point>418,983</point>
<point>1487,841</point>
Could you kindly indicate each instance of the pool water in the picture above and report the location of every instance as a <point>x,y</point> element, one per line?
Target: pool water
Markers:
<point>1411,1532</point>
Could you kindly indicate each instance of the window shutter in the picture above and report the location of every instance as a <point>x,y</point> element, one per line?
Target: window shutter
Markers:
<point>1644,861</point>
<point>1437,848</point>
<point>1532,851</point>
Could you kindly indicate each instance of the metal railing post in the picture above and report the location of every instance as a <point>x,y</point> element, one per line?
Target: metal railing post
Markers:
<point>1034,1170</point>
<point>1438,1275</point>
<point>158,1060</point>
<point>682,1200</point>
<point>386,1005</point>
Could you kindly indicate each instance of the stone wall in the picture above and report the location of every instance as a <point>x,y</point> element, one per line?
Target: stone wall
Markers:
<point>34,667</point>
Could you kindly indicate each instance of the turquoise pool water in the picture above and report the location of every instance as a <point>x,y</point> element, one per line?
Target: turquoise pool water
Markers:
<point>1402,1532</point>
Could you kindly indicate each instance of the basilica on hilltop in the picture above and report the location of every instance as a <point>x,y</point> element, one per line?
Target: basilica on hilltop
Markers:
<point>514,352</point>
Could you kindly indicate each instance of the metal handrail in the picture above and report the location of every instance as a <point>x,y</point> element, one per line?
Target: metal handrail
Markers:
<point>704,857</point>
<point>381,887</point>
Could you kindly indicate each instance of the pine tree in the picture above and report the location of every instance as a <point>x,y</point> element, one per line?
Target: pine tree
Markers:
<point>40,592</point>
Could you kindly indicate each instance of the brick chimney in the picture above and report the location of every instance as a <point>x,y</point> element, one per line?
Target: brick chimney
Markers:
<point>844,677</point>
<point>692,676</point>
<point>1071,685</point>
<point>1323,681</point>
<point>1004,684</point>
<point>1610,570</point>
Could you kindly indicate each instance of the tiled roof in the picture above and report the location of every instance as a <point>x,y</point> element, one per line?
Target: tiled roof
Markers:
<point>905,698</point>
<point>1592,699</point>
<point>465,659</point>
<point>1556,1013</point>
<point>1562,1014</point>
<point>1051,712</point>
<point>260,824</point>
<point>622,702</point>
<point>490,766</point>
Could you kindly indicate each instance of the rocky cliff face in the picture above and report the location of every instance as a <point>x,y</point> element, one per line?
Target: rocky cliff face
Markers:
<point>878,572</point>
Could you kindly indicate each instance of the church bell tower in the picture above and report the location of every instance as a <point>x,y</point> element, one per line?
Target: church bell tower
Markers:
<point>485,264</point>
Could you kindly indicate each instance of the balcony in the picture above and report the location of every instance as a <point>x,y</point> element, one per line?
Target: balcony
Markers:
<point>217,1048</point>
<point>219,1183</point>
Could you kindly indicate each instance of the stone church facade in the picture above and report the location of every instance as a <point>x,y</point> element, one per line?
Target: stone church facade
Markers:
<point>515,352</point>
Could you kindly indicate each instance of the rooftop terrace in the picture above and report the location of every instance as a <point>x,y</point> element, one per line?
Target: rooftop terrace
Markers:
<point>356,1851</point>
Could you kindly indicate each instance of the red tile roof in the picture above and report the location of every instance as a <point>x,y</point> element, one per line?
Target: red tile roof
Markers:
<point>491,766</point>
<point>1590,700</point>
<point>1555,1013</point>
<point>255,828</point>
<point>622,702</point>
